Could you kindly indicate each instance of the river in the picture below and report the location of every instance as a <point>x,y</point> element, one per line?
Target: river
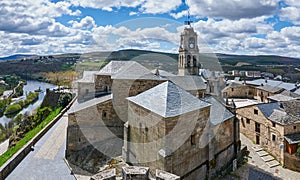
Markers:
<point>30,87</point>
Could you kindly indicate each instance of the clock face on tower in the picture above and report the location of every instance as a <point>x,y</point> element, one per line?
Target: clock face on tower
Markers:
<point>192,43</point>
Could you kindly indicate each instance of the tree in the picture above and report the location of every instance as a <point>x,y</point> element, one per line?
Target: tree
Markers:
<point>12,109</point>
<point>64,99</point>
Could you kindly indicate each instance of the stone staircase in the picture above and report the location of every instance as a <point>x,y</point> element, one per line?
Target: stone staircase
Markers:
<point>266,157</point>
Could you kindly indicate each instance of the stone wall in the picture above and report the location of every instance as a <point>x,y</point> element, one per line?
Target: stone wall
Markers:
<point>239,92</point>
<point>94,129</point>
<point>262,96</point>
<point>269,137</point>
<point>157,133</point>
<point>291,162</point>
<point>126,88</point>
<point>103,83</point>
<point>292,128</point>
<point>198,93</point>
<point>51,99</point>
<point>178,144</point>
<point>86,91</point>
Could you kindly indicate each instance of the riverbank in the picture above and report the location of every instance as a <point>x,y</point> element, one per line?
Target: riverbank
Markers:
<point>15,159</point>
<point>31,86</point>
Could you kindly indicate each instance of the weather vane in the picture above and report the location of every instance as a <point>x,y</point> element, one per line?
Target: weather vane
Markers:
<point>188,22</point>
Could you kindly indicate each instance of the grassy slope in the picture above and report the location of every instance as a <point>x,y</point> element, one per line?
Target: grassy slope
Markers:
<point>9,153</point>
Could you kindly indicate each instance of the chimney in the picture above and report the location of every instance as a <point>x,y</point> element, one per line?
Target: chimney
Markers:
<point>157,72</point>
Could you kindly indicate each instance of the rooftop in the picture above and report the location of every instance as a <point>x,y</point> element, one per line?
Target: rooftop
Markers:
<point>218,112</point>
<point>239,103</point>
<point>280,84</point>
<point>280,98</point>
<point>88,77</point>
<point>297,91</point>
<point>269,88</point>
<point>134,70</point>
<point>188,82</point>
<point>162,73</point>
<point>293,138</point>
<point>283,113</point>
<point>234,85</point>
<point>113,67</point>
<point>168,100</point>
<point>80,106</point>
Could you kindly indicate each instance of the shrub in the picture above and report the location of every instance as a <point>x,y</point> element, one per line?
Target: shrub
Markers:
<point>64,99</point>
<point>13,109</point>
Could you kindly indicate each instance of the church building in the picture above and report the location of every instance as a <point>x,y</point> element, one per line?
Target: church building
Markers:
<point>164,122</point>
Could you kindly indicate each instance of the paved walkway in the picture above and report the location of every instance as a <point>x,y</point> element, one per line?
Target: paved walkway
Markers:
<point>257,168</point>
<point>4,146</point>
<point>46,161</point>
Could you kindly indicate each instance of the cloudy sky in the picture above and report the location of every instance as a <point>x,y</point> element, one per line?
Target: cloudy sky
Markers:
<point>227,26</point>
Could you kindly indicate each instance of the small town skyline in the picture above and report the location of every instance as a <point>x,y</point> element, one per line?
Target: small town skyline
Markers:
<point>252,27</point>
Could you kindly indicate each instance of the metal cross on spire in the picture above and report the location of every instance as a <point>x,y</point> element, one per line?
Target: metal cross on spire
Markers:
<point>188,21</point>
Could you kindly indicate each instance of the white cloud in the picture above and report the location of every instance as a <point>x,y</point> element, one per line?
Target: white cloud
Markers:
<point>179,14</point>
<point>291,12</point>
<point>31,16</point>
<point>85,23</point>
<point>145,6</point>
<point>106,5</point>
<point>159,6</point>
<point>232,9</point>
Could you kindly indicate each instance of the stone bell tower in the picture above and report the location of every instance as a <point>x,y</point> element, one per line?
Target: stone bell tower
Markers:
<point>188,59</point>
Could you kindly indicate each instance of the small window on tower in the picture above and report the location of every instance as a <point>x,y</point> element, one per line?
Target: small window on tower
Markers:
<point>273,124</point>
<point>193,140</point>
<point>255,111</point>
<point>104,114</point>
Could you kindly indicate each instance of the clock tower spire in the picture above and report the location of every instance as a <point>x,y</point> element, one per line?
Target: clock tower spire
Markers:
<point>188,59</point>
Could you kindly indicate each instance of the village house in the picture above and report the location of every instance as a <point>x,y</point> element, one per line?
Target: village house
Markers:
<point>276,127</point>
<point>238,90</point>
<point>263,92</point>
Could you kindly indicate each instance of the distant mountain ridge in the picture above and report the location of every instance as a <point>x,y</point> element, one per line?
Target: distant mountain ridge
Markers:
<point>129,54</point>
<point>17,57</point>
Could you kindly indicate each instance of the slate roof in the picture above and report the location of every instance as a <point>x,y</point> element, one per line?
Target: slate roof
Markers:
<point>218,112</point>
<point>280,98</point>
<point>283,113</point>
<point>297,91</point>
<point>289,93</point>
<point>188,82</point>
<point>269,88</point>
<point>292,107</point>
<point>88,77</point>
<point>168,100</point>
<point>134,70</point>
<point>80,106</point>
<point>233,85</point>
<point>280,84</point>
<point>162,73</point>
<point>268,108</point>
<point>113,67</point>
<point>293,138</point>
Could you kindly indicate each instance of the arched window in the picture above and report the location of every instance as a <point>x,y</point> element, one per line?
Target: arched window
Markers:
<point>104,114</point>
<point>194,61</point>
<point>188,61</point>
